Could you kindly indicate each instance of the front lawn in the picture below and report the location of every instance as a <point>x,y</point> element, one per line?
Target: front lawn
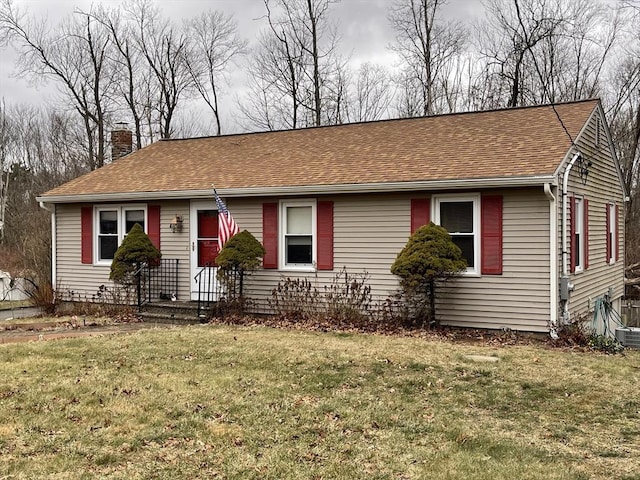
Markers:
<point>260,403</point>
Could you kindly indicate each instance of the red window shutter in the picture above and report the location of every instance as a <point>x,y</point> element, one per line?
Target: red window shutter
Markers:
<point>607,216</point>
<point>420,213</point>
<point>86,227</point>
<point>270,234</point>
<point>617,240</point>
<point>491,231</point>
<point>572,234</point>
<point>153,228</point>
<point>325,235</point>
<point>585,205</point>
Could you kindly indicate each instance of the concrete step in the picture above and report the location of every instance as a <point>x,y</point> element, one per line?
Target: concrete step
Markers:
<point>170,318</point>
<point>175,313</point>
<point>172,308</point>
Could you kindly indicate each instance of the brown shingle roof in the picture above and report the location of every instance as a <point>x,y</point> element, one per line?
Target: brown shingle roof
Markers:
<point>494,144</point>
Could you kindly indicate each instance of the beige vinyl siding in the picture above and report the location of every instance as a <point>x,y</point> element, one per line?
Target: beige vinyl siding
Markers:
<point>369,231</point>
<point>519,298</point>
<point>602,187</point>
<point>176,245</point>
<point>75,280</point>
<point>81,282</point>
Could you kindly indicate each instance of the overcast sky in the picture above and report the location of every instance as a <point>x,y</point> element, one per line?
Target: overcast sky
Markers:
<point>362,24</point>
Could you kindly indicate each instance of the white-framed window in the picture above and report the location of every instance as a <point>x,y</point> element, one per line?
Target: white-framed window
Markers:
<point>611,240</point>
<point>112,223</point>
<point>578,232</point>
<point>298,239</point>
<point>460,215</point>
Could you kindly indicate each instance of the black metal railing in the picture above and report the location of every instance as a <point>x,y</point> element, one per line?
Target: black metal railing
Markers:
<point>157,281</point>
<point>214,288</point>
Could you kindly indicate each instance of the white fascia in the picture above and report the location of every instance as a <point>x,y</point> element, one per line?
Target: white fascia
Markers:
<point>296,190</point>
<point>387,187</point>
<point>121,197</point>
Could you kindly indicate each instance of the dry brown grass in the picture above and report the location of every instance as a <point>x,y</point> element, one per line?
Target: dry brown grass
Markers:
<point>251,402</point>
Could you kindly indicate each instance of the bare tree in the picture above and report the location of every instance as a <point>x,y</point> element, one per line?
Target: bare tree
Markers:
<point>166,50</point>
<point>509,37</point>
<point>428,47</point>
<point>624,119</point>
<point>275,90</point>
<point>570,64</point>
<point>76,56</point>
<point>40,149</point>
<point>372,94</point>
<point>215,44</point>
<point>6,142</point>
<point>298,65</point>
<point>133,74</point>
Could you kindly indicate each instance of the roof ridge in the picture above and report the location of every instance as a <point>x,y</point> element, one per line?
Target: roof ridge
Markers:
<point>385,120</point>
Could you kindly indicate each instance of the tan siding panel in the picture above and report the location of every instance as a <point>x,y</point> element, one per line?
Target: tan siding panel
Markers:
<point>83,281</point>
<point>601,187</point>
<point>369,232</point>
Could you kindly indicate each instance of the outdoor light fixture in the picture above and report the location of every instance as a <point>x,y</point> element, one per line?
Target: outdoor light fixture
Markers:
<point>176,224</point>
<point>584,166</point>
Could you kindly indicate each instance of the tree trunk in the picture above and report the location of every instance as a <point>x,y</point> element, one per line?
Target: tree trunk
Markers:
<point>432,303</point>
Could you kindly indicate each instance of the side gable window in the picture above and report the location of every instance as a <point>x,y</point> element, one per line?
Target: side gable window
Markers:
<point>612,238</point>
<point>460,215</point>
<point>579,226</point>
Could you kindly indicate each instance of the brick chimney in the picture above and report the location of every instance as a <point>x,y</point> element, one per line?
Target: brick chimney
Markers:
<point>121,141</point>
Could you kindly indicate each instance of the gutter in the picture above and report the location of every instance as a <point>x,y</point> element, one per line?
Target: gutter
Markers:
<point>52,210</point>
<point>553,261</point>
<point>565,286</point>
<point>298,190</point>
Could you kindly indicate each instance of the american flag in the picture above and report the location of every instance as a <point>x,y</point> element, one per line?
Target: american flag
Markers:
<point>227,226</point>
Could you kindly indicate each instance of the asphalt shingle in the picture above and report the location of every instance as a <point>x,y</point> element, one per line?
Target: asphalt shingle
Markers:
<point>515,142</point>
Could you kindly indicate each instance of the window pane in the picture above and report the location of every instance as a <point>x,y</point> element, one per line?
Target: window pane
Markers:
<point>132,217</point>
<point>298,249</point>
<point>207,223</point>
<point>108,247</point>
<point>109,222</point>
<point>299,220</point>
<point>465,243</point>
<point>457,216</point>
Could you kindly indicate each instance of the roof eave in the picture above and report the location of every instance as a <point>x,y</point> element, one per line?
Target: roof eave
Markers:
<point>382,187</point>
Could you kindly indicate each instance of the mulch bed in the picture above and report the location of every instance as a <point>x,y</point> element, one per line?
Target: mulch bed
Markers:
<point>463,335</point>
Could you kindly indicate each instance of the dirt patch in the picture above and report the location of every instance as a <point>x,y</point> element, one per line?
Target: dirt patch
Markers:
<point>31,334</point>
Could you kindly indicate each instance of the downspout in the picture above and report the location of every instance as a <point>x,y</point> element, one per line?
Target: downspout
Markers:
<point>553,262</point>
<point>565,286</point>
<point>52,210</point>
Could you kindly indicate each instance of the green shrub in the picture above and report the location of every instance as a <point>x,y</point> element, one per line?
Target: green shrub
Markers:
<point>241,255</point>
<point>430,256</point>
<point>136,249</point>
<point>605,344</point>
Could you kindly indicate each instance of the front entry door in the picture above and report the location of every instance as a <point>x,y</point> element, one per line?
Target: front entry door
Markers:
<point>203,228</point>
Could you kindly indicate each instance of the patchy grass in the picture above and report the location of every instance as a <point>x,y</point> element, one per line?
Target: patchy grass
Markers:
<point>237,402</point>
<point>45,322</point>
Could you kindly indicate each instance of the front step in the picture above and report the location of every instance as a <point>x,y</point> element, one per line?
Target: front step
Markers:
<point>173,313</point>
